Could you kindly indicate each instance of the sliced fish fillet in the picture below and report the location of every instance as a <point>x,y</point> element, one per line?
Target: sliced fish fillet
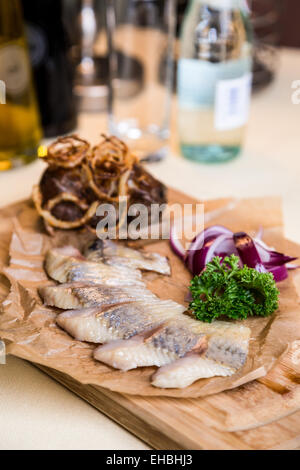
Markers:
<point>225,345</point>
<point>113,307</point>
<point>68,265</point>
<point>163,345</point>
<point>98,325</point>
<point>227,342</point>
<point>116,254</point>
<point>78,295</point>
<point>185,371</point>
<point>226,353</point>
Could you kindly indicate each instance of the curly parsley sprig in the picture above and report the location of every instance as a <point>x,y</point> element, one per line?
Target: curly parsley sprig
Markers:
<point>225,289</point>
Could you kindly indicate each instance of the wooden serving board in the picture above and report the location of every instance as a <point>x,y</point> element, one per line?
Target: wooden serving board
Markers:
<point>177,423</point>
<point>263,414</point>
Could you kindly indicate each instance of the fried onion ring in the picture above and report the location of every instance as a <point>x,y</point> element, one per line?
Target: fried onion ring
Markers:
<point>80,178</point>
<point>112,150</point>
<point>67,152</point>
<point>108,168</point>
<point>52,220</point>
<point>99,192</point>
<point>65,197</point>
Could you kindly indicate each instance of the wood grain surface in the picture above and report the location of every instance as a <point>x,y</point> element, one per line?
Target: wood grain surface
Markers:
<point>177,423</point>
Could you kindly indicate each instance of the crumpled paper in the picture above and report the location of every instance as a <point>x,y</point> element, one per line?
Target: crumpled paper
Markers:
<point>30,331</point>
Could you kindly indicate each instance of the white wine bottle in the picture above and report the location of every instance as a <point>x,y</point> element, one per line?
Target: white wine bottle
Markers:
<point>214,79</point>
<point>20,129</point>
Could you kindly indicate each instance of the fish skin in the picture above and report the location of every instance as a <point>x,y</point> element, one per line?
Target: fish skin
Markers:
<point>161,346</point>
<point>227,341</point>
<point>120,255</point>
<point>226,353</point>
<point>226,347</point>
<point>100,325</point>
<point>64,266</point>
<point>78,295</point>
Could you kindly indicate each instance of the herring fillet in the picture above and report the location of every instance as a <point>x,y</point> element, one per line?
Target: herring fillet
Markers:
<point>114,254</point>
<point>78,295</point>
<point>140,330</point>
<point>163,345</point>
<point>100,325</point>
<point>226,347</point>
<point>187,370</point>
<point>68,265</point>
<point>226,353</point>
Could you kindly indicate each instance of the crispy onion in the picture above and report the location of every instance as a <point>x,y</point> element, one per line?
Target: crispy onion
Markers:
<point>108,168</point>
<point>67,152</point>
<point>52,220</point>
<point>79,178</point>
<point>65,197</point>
<point>110,187</point>
<point>111,151</point>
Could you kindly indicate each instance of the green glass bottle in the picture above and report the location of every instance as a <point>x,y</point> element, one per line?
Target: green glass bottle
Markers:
<point>20,130</point>
<point>214,79</point>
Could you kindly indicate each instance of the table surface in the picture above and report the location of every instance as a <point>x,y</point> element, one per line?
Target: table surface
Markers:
<point>39,413</point>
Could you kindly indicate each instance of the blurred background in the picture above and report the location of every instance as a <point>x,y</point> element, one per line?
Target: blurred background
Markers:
<point>114,57</point>
<point>94,66</point>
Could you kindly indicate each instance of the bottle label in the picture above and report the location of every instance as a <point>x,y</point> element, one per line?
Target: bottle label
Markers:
<point>223,87</point>
<point>14,70</point>
<point>232,102</point>
<point>226,4</point>
<point>196,83</point>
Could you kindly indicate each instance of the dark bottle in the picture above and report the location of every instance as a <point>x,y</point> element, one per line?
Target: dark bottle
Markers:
<point>52,66</point>
<point>20,130</point>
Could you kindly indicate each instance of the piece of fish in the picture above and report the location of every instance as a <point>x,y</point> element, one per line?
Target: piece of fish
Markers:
<point>162,345</point>
<point>100,325</point>
<point>114,308</point>
<point>226,353</point>
<point>77,295</point>
<point>185,371</point>
<point>226,346</point>
<point>116,254</point>
<point>68,265</point>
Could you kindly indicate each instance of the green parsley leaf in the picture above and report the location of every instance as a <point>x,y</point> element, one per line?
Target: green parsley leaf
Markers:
<point>224,289</point>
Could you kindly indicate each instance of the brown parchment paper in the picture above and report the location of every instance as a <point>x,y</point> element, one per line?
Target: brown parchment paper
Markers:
<point>30,332</point>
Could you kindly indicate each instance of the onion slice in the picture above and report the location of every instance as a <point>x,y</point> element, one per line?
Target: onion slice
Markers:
<point>247,251</point>
<point>200,245</point>
<point>292,266</point>
<point>176,245</point>
<point>270,257</point>
<point>222,246</point>
<point>220,241</point>
<point>279,272</point>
